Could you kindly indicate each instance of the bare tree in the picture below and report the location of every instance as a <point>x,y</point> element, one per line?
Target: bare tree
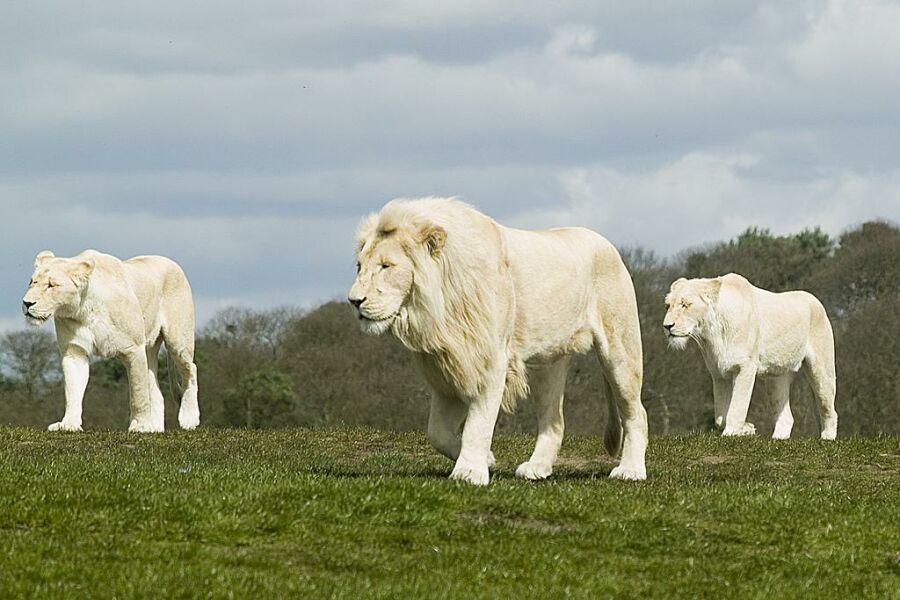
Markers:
<point>31,358</point>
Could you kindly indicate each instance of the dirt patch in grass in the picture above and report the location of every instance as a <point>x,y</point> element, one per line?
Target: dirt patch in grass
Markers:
<point>518,522</point>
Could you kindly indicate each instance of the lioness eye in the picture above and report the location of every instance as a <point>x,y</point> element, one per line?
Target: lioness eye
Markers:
<point>358,267</point>
<point>385,266</point>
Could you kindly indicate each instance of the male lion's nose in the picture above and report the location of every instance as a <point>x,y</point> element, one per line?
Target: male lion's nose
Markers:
<point>668,326</point>
<point>26,304</point>
<point>357,302</point>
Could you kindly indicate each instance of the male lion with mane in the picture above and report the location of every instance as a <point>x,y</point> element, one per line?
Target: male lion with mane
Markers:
<point>744,332</point>
<point>493,312</point>
<point>126,309</point>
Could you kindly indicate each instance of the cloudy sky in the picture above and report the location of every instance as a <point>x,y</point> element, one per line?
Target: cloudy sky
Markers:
<point>245,140</point>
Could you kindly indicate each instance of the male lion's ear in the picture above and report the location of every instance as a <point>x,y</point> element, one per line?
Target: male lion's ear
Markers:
<point>42,257</point>
<point>434,237</point>
<point>82,269</point>
<point>365,231</point>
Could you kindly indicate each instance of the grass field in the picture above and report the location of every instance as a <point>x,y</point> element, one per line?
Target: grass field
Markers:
<point>360,513</point>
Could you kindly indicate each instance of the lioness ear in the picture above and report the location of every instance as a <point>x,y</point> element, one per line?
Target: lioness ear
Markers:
<point>434,237</point>
<point>42,257</point>
<point>678,281</point>
<point>82,269</point>
<point>712,289</point>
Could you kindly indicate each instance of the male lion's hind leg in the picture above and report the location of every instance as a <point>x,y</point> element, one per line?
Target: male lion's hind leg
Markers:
<point>548,386</point>
<point>76,371</point>
<point>780,396</point>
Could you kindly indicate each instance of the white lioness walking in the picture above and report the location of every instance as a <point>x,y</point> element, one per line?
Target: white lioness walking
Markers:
<point>491,312</point>
<point>124,309</point>
<point>744,332</point>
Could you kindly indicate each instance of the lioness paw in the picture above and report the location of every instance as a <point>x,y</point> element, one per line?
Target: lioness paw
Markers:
<point>628,473</point>
<point>740,430</point>
<point>534,471</point>
<point>63,426</point>
<point>144,427</point>
<point>470,474</point>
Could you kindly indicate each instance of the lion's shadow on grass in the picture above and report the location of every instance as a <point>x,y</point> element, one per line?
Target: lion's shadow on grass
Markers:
<point>441,473</point>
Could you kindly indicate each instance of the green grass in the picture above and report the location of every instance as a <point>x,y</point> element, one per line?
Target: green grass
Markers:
<point>360,513</point>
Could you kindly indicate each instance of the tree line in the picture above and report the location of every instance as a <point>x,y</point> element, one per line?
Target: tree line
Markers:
<point>291,367</point>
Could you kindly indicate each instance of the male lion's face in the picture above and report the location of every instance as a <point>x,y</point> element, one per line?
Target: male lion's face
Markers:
<point>56,283</point>
<point>383,282</point>
<point>687,304</point>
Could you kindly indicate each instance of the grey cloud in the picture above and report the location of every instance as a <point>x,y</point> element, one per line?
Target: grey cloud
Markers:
<point>247,140</point>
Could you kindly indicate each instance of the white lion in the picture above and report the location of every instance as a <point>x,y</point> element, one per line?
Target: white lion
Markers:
<point>744,332</point>
<point>491,312</point>
<point>102,305</point>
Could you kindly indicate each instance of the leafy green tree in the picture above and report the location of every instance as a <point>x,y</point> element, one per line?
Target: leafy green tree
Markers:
<point>261,399</point>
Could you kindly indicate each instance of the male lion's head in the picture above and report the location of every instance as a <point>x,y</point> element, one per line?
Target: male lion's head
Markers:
<point>688,305</point>
<point>55,286</point>
<point>396,252</point>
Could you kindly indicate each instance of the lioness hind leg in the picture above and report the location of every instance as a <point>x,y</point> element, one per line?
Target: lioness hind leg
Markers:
<point>548,386</point>
<point>779,389</point>
<point>189,411</point>
<point>822,380</point>
<point>157,403</point>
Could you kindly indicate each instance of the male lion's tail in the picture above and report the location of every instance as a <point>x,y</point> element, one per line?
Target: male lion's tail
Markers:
<point>516,384</point>
<point>612,440</point>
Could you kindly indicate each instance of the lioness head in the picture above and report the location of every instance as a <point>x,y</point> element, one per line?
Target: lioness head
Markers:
<point>394,253</point>
<point>55,286</point>
<point>687,305</point>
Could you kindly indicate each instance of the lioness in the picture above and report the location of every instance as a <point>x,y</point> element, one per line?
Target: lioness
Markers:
<point>102,305</point>
<point>491,311</point>
<point>744,331</point>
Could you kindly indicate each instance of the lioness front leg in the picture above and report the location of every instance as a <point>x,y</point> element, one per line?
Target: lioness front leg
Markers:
<point>721,400</point>
<point>139,386</point>
<point>742,390</point>
<point>478,432</point>
<point>76,369</point>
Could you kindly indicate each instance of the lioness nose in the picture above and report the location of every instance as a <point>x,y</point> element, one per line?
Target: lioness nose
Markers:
<point>668,326</point>
<point>28,304</point>
<point>357,302</point>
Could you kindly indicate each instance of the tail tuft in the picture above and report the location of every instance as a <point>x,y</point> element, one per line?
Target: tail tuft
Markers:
<point>516,385</point>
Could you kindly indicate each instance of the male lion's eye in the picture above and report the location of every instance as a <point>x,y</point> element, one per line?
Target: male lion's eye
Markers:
<point>358,267</point>
<point>385,266</point>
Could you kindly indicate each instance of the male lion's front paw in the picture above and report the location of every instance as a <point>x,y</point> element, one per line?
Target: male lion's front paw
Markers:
<point>534,471</point>
<point>470,474</point>
<point>740,430</point>
<point>64,426</point>
<point>138,426</point>
<point>629,473</point>
<point>491,460</point>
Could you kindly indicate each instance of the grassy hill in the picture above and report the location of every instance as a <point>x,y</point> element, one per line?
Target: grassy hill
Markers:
<point>361,513</point>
